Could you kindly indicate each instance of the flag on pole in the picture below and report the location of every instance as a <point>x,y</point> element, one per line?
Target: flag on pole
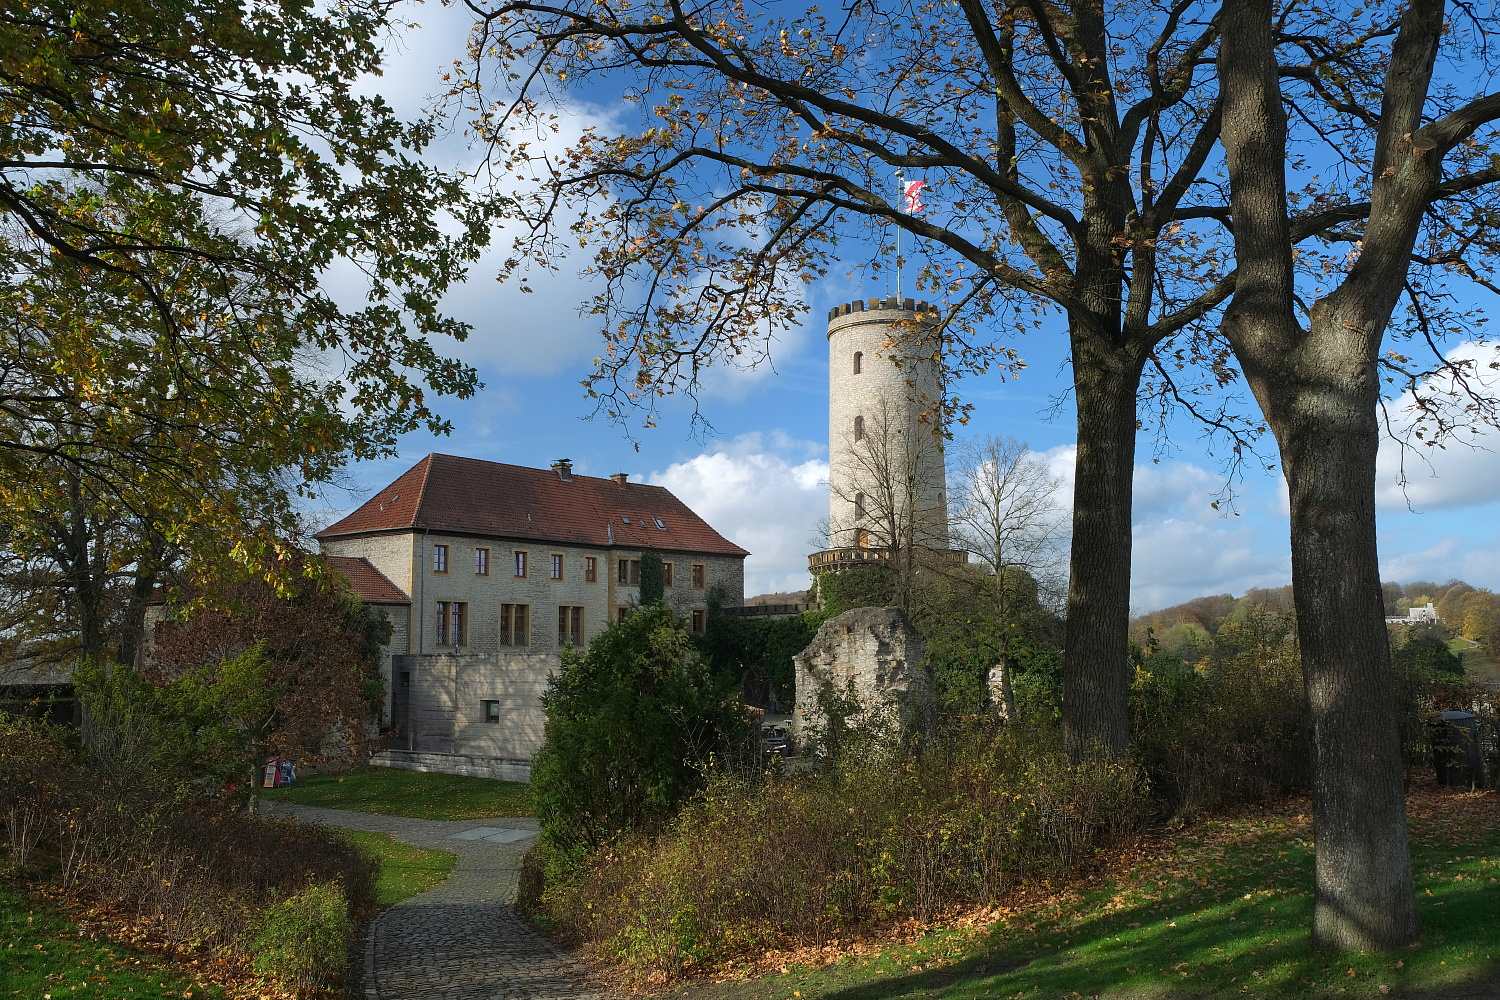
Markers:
<point>913,195</point>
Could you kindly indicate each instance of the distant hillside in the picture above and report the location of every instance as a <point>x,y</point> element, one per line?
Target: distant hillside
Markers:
<point>1186,629</point>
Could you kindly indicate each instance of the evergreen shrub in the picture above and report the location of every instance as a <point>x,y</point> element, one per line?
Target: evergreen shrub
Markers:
<point>633,722</point>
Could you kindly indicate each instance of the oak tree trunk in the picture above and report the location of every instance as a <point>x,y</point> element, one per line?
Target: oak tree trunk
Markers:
<point>1095,655</point>
<point>1328,434</point>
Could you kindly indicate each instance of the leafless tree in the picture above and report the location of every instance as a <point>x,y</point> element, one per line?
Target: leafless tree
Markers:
<point>889,476</point>
<point>1006,511</point>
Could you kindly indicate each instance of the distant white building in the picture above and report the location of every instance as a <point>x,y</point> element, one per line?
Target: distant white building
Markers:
<point>1414,616</point>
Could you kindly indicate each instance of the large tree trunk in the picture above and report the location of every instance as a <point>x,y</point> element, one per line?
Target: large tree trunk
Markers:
<point>1328,433</point>
<point>1097,638</point>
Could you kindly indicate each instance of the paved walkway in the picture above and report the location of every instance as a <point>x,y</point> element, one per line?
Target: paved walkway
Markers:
<point>461,940</point>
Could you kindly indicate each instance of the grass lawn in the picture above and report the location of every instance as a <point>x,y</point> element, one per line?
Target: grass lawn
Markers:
<point>1224,911</point>
<point>405,870</point>
<point>42,955</point>
<point>417,794</point>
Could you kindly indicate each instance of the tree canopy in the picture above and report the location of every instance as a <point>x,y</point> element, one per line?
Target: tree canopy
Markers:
<point>222,264</point>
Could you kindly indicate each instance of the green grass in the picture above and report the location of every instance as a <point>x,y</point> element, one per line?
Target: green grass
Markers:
<point>394,792</point>
<point>405,871</point>
<point>42,954</point>
<point>1226,913</point>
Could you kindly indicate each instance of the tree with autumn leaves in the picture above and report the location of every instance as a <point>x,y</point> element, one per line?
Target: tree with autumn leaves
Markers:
<point>177,180</point>
<point>1075,155</point>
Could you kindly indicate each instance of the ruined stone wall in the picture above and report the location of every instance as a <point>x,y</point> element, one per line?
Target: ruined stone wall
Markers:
<point>872,658</point>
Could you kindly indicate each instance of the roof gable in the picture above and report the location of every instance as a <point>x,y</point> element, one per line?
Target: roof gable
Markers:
<point>471,496</point>
<point>368,583</point>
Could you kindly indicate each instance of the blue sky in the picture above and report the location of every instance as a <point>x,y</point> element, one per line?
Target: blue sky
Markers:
<point>759,477</point>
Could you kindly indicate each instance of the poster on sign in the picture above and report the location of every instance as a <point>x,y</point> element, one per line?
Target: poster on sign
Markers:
<point>272,774</point>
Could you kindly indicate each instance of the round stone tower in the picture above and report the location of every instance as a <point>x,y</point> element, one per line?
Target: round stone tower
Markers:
<point>885,463</point>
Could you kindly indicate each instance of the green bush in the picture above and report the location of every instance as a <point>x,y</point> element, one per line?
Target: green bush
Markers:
<point>1230,729</point>
<point>632,723</point>
<point>304,940</point>
<point>801,859</point>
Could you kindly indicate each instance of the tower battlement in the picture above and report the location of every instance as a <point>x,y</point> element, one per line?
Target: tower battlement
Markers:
<point>889,304</point>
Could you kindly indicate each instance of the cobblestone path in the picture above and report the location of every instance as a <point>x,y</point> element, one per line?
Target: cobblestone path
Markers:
<point>460,940</point>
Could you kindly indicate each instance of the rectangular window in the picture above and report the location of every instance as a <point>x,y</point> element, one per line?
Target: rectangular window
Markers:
<point>520,568</point>
<point>557,565</point>
<point>590,569</point>
<point>630,572</point>
<point>699,575</point>
<point>481,562</point>
<point>452,617</point>
<point>621,614</point>
<point>698,618</point>
<point>570,626</point>
<point>440,558</point>
<point>515,624</point>
<point>666,574</point>
<point>490,711</point>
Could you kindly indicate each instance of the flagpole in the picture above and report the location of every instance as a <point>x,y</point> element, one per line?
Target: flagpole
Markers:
<point>900,206</point>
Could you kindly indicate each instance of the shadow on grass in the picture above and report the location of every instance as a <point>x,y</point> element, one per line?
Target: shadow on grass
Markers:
<point>1218,921</point>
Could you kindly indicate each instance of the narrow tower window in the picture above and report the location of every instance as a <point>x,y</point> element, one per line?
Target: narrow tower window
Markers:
<point>859,505</point>
<point>859,361</point>
<point>859,428</point>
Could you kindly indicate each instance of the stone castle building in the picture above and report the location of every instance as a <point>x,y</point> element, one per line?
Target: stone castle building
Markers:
<point>488,572</point>
<point>887,488</point>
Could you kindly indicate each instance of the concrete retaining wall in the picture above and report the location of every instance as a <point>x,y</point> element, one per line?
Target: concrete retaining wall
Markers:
<point>454,763</point>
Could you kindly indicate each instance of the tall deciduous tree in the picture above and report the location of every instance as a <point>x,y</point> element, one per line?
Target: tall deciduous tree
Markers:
<point>1317,373</point>
<point>177,179</point>
<point>890,473</point>
<point>1058,143</point>
<point>1007,513</point>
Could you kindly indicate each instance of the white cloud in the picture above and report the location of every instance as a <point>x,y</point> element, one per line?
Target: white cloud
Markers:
<point>765,494</point>
<point>1466,470</point>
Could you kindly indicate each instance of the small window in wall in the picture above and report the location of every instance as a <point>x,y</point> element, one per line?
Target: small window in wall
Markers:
<point>666,574</point>
<point>520,563</point>
<point>452,619</point>
<point>622,613</point>
<point>698,618</point>
<point>440,558</point>
<point>859,505</point>
<point>700,576</point>
<point>859,428</point>
<point>859,361</point>
<point>570,626</point>
<point>557,565</point>
<point>490,712</point>
<point>590,569</point>
<point>862,538</point>
<point>515,624</point>
<point>630,572</point>
<point>481,562</point>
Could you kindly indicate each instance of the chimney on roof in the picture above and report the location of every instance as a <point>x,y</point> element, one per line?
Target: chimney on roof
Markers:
<point>564,469</point>
<point>621,477</point>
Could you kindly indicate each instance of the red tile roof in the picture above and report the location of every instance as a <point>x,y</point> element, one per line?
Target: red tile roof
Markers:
<point>469,496</point>
<point>368,583</point>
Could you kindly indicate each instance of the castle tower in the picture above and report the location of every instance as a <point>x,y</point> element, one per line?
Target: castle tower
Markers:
<point>886,480</point>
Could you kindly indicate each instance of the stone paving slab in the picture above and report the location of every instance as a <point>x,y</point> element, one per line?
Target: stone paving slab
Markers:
<point>461,940</point>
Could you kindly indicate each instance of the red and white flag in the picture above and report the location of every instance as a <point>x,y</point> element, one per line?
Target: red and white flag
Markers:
<point>913,195</point>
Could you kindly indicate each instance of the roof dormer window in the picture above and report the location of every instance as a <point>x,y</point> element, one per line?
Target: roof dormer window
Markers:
<point>659,524</point>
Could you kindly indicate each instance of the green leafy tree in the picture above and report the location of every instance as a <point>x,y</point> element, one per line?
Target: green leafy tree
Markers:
<point>177,180</point>
<point>633,723</point>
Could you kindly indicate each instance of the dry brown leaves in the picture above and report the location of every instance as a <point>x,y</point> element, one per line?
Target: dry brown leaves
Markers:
<point>230,973</point>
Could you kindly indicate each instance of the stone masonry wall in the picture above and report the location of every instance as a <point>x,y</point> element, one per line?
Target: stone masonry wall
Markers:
<point>864,328</point>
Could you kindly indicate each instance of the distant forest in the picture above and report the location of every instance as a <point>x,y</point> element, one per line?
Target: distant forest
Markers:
<point>1188,631</point>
